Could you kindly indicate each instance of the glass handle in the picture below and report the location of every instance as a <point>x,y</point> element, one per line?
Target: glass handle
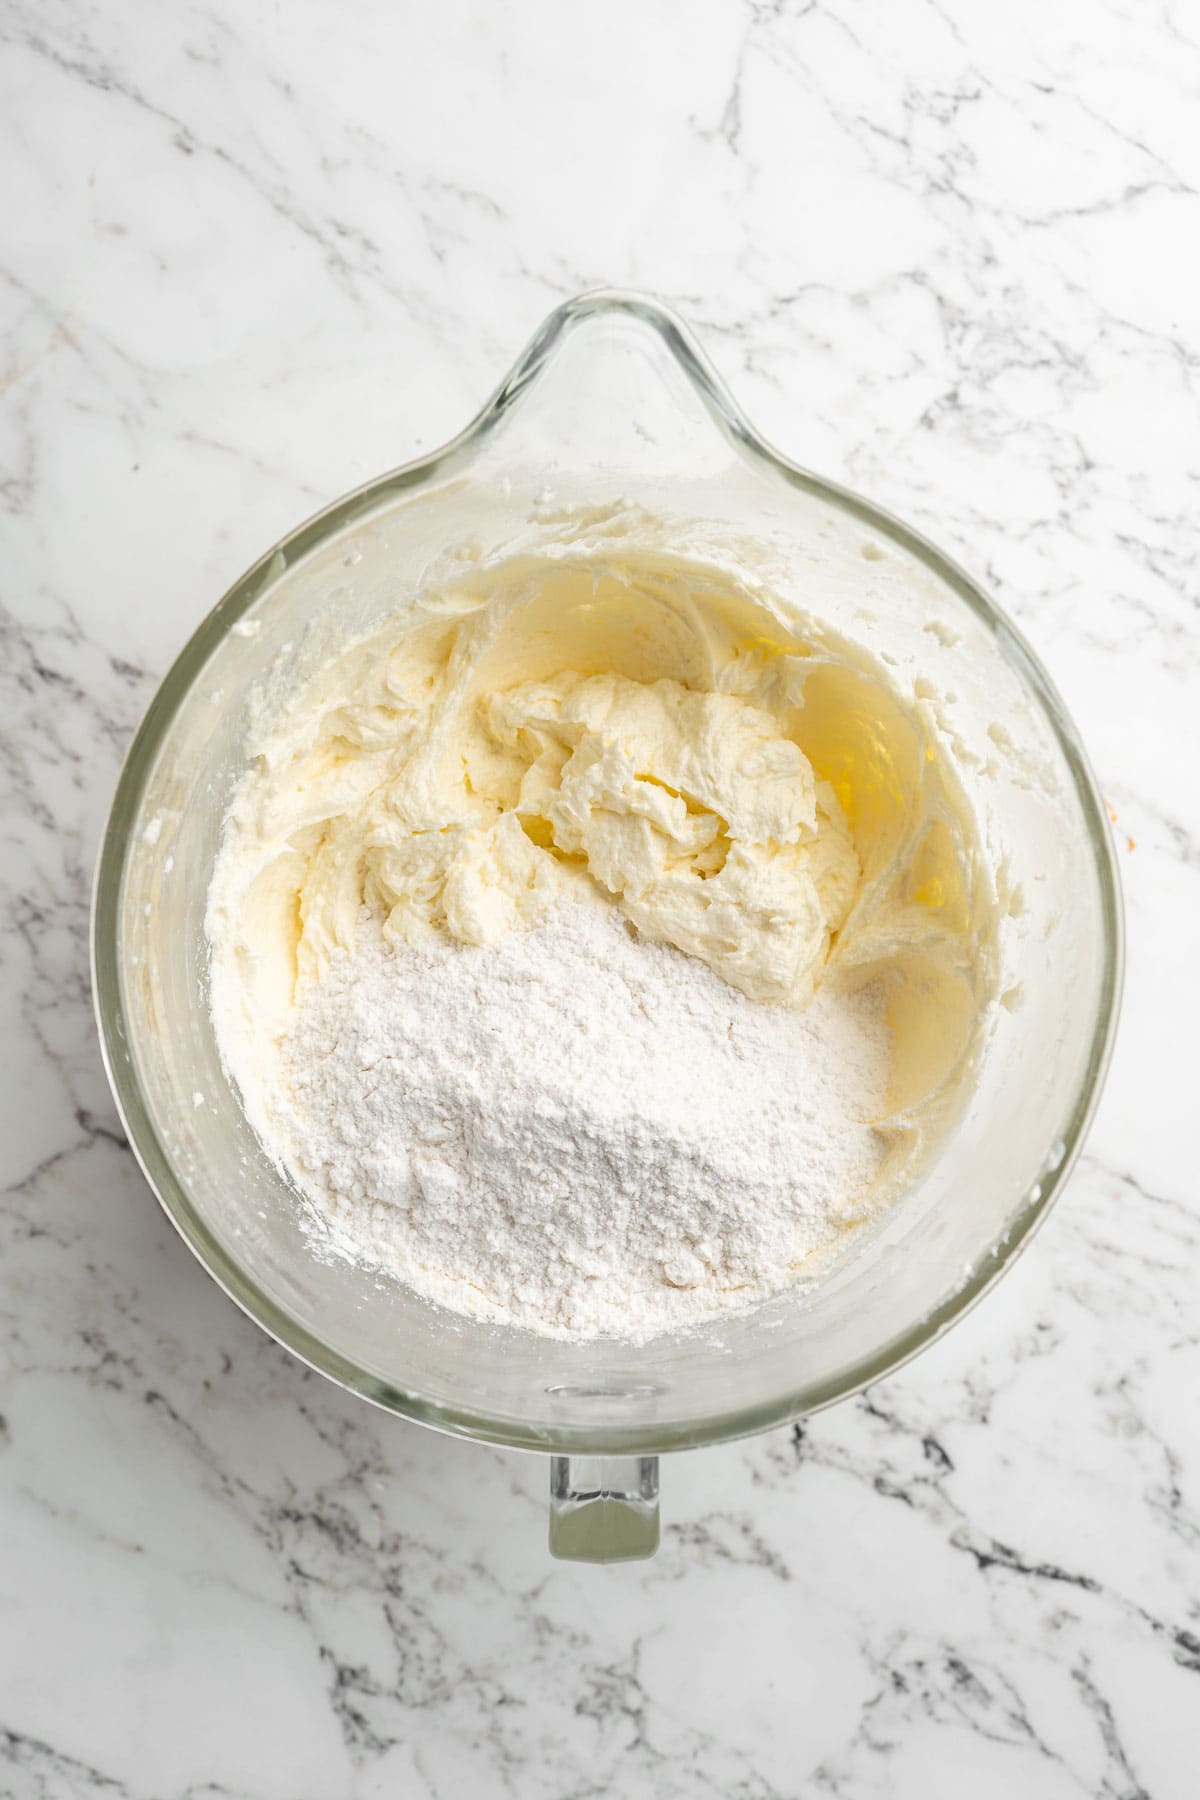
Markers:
<point>603,1508</point>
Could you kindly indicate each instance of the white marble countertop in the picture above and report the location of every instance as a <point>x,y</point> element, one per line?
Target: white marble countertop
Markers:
<point>945,252</point>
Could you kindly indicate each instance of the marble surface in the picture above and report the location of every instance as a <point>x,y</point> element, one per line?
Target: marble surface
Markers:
<point>944,251</point>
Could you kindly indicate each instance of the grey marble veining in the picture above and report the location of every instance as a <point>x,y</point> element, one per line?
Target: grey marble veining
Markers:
<point>945,252</point>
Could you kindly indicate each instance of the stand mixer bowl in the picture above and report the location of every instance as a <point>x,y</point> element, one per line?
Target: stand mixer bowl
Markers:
<point>612,401</point>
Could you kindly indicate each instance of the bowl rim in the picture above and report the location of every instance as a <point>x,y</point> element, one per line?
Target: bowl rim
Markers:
<point>107,989</point>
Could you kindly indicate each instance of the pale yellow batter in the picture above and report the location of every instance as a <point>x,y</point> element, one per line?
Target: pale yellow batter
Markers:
<point>741,783</point>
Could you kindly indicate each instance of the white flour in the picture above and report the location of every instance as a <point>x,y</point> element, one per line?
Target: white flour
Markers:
<point>573,1130</point>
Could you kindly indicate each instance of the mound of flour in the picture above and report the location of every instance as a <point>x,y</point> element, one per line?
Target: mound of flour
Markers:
<point>575,1130</point>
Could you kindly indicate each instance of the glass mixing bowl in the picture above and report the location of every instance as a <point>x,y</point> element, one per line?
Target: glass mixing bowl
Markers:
<point>613,400</point>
